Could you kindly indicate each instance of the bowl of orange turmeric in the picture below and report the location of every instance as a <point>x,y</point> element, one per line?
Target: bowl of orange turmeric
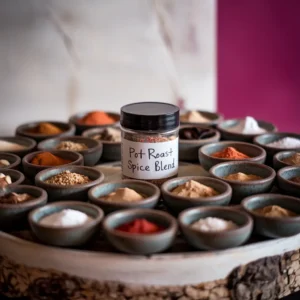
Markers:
<point>37,161</point>
<point>92,119</point>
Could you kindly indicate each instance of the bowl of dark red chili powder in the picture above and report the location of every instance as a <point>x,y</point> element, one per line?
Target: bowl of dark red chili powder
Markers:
<point>92,119</point>
<point>140,231</point>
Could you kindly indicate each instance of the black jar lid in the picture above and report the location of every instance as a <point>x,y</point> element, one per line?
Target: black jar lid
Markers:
<point>146,116</point>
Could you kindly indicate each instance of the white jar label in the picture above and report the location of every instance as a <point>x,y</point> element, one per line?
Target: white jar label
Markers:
<point>150,160</point>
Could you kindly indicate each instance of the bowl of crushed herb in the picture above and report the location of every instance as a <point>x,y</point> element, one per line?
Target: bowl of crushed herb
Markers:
<point>16,202</point>
<point>68,182</point>
<point>214,153</point>
<point>286,158</point>
<point>140,231</point>
<point>200,117</point>
<point>89,148</point>
<point>40,160</point>
<point>110,137</point>
<point>288,180</point>
<point>9,161</point>
<point>185,192</point>
<point>274,215</point>
<point>46,129</point>
<point>245,178</point>
<point>16,145</point>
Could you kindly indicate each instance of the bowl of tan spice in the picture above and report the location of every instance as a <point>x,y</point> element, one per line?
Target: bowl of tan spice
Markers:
<point>18,145</point>
<point>285,159</point>
<point>274,215</point>
<point>123,194</point>
<point>288,179</point>
<point>212,154</point>
<point>245,178</point>
<point>185,192</point>
<point>68,182</point>
<point>89,148</point>
<point>45,129</point>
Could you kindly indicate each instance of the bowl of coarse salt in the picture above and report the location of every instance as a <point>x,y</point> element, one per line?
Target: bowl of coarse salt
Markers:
<point>65,224</point>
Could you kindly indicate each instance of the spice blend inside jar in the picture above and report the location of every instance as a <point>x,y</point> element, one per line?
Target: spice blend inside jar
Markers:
<point>149,141</point>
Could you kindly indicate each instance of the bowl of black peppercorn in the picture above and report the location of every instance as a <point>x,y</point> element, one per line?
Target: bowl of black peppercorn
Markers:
<point>191,138</point>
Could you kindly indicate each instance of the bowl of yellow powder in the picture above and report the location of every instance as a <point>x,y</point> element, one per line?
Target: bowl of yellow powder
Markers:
<point>191,191</point>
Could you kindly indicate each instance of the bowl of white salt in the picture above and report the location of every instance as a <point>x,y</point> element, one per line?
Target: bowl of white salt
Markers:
<point>17,145</point>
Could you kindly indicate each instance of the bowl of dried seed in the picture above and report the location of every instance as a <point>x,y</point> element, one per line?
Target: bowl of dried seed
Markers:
<point>68,182</point>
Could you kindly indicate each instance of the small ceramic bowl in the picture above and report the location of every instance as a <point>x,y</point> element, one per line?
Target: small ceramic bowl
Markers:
<point>29,144</point>
<point>179,203</point>
<point>14,160</point>
<point>214,118</point>
<point>188,149</point>
<point>111,150</point>
<point>273,227</point>
<point>224,128</point>
<point>264,139</point>
<point>140,243</point>
<point>91,155</point>
<point>149,190</point>
<point>15,215</point>
<point>31,169</point>
<point>257,154</point>
<point>242,189</point>
<point>65,236</point>
<point>215,240</point>
<point>16,176</point>
<point>24,130</point>
<point>82,127</point>
<point>64,192</point>
<point>284,177</point>
<point>278,158</point>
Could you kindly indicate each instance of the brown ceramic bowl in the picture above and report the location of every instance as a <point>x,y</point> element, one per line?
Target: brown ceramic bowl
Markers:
<point>14,160</point>
<point>29,144</point>
<point>24,130</point>
<point>31,169</point>
<point>75,119</point>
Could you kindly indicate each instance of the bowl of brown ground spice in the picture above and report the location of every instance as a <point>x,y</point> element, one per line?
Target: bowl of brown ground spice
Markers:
<point>68,182</point>
<point>285,159</point>
<point>288,179</point>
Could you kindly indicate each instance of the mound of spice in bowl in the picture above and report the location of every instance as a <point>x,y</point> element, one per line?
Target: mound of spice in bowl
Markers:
<point>242,177</point>
<point>295,179</point>
<point>71,146</point>
<point>46,128</point>
<point>140,226</point>
<point>274,211</point>
<point>5,180</point>
<point>15,198</point>
<point>123,195</point>
<point>97,118</point>
<point>9,146</point>
<point>49,159</point>
<point>194,117</point>
<point>195,133</point>
<point>285,143</point>
<point>293,160</point>
<point>109,134</point>
<point>247,126</point>
<point>194,189</point>
<point>230,153</point>
<point>212,224</point>
<point>68,178</point>
<point>4,163</point>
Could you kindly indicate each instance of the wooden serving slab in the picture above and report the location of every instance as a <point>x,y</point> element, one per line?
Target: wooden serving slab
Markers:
<point>266,269</point>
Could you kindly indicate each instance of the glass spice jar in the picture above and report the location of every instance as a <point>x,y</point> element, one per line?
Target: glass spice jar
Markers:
<point>149,142</point>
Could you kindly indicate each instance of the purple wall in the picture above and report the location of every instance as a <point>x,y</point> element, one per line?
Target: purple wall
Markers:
<point>259,60</point>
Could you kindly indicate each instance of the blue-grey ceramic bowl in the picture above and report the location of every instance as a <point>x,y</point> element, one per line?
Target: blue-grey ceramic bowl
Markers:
<point>285,184</point>
<point>178,203</point>
<point>14,216</point>
<point>111,150</point>
<point>24,130</point>
<point>82,127</point>
<point>242,189</point>
<point>16,176</point>
<point>13,159</point>
<point>256,154</point>
<point>214,118</point>
<point>140,243</point>
<point>65,236</point>
<point>215,240</point>
<point>29,144</point>
<point>278,158</point>
<point>65,192</point>
<point>149,190</point>
<point>227,134</point>
<point>90,156</point>
<point>273,227</point>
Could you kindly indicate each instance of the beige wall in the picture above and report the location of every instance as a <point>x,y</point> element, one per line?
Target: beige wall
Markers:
<point>60,57</point>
